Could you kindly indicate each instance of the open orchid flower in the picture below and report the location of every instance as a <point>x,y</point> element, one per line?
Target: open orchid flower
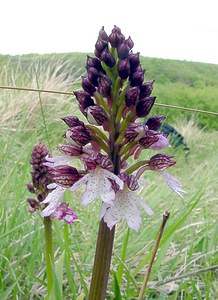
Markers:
<point>98,184</point>
<point>53,200</point>
<point>125,207</point>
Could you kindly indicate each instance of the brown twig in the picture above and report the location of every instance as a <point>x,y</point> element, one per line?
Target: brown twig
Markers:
<point>153,255</point>
<point>209,269</point>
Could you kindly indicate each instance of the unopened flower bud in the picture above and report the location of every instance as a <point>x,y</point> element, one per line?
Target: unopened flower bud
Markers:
<point>73,121</point>
<point>154,122</point>
<point>103,35</point>
<point>64,176</point>
<point>124,68</point>
<point>93,75</point>
<point>100,45</point>
<point>146,89</point>
<point>104,85</point>
<point>30,188</point>
<point>116,37</point>
<point>108,58</point>
<point>129,42</point>
<point>161,162</point>
<point>87,85</point>
<point>137,78</point>
<point>123,51</point>
<point>132,96</point>
<point>144,106</point>
<point>134,61</point>
<point>33,203</point>
<point>95,63</point>
<point>71,150</point>
<point>95,115</point>
<point>79,135</point>
<point>84,99</point>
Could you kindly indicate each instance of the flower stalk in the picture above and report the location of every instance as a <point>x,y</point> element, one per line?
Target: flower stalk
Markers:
<point>49,256</point>
<point>102,262</point>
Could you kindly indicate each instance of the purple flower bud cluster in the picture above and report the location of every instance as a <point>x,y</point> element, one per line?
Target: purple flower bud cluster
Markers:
<point>40,176</point>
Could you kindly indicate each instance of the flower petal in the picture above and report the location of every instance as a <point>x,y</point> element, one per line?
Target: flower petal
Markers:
<point>54,199</point>
<point>173,183</point>
<point>114,177</point>
<point>80,182</point>
<point>58,161</point>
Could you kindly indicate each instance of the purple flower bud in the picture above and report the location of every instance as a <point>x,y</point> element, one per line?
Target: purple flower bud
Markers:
<point>116,37</point>
<point>30,188</point>
<point>146,89</point>
<point>123,51</point>
<point>33,203</point>
<point>84,99</point>
<point>135,132</point>
<point>100,45</point>
<point>93,75</point>
<point>71,150</point>
<point>144,106</point>
<point>137,78</point>
<point>95,115</point>
<point>64,176</point>
<point>161,162</point>
<point>108,58</point>
<point>134,60</point>
<point>87,85</point>
<point>132,96</point>
<point>116,29</point>
<point>124,68</point>
<point>103,35</point>
<point>129,42</point>
<point>79,135</point>
<point>95,63</point>
<point>73,121</point>
<point>104,85</point>
<point>154,122</point>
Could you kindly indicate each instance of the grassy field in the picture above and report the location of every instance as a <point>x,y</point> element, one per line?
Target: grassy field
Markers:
<point>189,243</point>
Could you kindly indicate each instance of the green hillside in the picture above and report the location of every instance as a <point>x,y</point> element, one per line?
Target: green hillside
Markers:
<point>182,83</point>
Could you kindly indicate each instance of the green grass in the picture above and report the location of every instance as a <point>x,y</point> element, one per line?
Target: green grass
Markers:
<point>189,242</point>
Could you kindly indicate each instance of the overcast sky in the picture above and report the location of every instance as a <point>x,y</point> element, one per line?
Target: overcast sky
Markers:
<point>185,30</point>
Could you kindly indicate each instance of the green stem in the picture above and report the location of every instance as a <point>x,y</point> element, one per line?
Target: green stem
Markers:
<point>48,253</point>
<point>102,262</point>
<point>123,257</point>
